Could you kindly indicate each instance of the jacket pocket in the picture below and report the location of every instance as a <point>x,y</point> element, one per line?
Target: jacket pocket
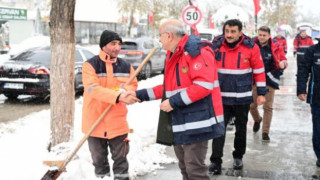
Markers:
<point>197,122</point>
<point>243,89</point>
<point>197,117</point>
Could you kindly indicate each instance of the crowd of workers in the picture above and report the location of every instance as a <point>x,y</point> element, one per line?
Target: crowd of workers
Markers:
<point>205,85</point>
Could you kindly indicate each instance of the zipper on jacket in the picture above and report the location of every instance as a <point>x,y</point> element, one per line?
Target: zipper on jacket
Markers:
<point>177,75</point>
<point>223,57</point>
<point>205,62</point>
<point>239,58</point>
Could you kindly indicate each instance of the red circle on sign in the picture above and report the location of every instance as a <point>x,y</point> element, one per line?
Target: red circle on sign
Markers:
<point>191,15</point>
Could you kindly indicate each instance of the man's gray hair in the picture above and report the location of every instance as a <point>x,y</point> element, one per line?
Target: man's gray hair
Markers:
<point>174,26</point>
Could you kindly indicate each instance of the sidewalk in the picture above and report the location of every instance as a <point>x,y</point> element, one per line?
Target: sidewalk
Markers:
<point>288,156</point>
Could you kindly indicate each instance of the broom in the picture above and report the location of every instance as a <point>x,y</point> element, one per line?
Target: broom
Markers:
<point>54,174</point>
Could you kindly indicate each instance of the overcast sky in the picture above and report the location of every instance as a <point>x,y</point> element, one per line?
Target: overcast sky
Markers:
<point>309,6</point>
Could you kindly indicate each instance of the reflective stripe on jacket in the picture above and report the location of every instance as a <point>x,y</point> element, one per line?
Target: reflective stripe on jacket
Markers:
<point>310,70</point>
<point>301,44</point>
<point>274,72</point>
<point>102,79</point>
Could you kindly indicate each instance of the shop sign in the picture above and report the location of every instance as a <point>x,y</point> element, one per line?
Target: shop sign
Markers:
<point>12,14</point>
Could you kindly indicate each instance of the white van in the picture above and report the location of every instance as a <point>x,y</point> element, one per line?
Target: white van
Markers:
<point>208,34</point>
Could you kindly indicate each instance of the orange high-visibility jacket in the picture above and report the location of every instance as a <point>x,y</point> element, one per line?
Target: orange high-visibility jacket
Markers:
<point>102,78</point>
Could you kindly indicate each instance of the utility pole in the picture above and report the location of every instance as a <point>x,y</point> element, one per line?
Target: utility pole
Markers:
<point>190,3</point>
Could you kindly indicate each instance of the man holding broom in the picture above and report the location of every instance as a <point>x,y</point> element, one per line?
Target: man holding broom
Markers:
<point>103,75</point>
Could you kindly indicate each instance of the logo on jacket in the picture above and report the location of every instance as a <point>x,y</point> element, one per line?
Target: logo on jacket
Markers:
<point>184,70</point>
<point>245,60</point>
<point>197,66</point>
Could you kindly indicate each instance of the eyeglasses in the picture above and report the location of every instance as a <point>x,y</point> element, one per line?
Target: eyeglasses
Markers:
<point>161,34</point>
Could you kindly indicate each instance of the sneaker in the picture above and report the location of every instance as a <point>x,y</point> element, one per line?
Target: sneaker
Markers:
<point>318,163</point>
<point>265,137</point>
<point>237,163</point>
<point>256,126</point>
<point>215,168</point>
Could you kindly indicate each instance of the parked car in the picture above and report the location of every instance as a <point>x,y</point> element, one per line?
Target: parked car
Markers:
<point>28,72</point>
<point>30,42</point>
<point>208,34</point>
<point>136,49</point>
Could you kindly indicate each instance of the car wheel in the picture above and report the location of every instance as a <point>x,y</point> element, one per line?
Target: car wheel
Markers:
<point>11,96</point>
<point>147,71</point>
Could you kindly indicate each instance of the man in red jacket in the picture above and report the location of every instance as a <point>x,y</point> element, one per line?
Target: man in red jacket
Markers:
<point>239,64</point>
<point>274,62</point>
<point>281,40</point>
<point>191,98</point>
<point>300,43</point>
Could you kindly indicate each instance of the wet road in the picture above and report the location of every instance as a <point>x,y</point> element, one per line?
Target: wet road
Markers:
<point>11,110</point>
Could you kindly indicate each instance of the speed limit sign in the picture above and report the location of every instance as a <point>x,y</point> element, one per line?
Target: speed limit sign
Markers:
<point>191,15</point>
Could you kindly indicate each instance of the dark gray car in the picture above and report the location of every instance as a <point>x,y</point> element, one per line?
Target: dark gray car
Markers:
<point>28,72</point>
<point>134,51</point>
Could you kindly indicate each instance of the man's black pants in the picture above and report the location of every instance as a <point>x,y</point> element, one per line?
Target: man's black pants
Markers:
<point>240,112</point>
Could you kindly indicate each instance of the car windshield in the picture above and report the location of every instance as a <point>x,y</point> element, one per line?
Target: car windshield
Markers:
<point>34,56</point>
<point>129,46</point>
<point>206,36</point>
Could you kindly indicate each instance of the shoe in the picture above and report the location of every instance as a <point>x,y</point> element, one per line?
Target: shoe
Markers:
<point>318,163</point>
<point>102,175</point>
<point>265,137</point>
<point>256,126</point>
<point>215,168</point>
<point>237,163</point>
<point>231,121</point>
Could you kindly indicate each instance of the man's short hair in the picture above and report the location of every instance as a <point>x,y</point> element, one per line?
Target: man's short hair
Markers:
<point>233,22</point>
<point>174,26</point>
<point>265,29</point>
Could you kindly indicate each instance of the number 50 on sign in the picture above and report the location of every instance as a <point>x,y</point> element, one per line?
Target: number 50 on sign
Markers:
<point>191,15</point>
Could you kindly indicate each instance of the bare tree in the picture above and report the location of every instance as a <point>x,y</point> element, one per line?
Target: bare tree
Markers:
<point>62,70</point>
<point>131,7</point>
<point>279,12</point>
<point>159,7</point>
<point>176,8</point>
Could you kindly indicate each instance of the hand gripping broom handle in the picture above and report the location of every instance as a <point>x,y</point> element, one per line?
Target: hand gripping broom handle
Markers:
<point>144,62</point>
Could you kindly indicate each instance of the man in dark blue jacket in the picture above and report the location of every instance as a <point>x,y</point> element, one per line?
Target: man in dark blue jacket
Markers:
<point>310,69</point>
<point>274,63</point>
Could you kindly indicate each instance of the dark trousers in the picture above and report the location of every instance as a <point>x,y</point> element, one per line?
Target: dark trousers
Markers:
<point>315,110</point>
<point>300,59</point>
<point>240,112</point>
<point>191,160</point>
<point>119,148</point>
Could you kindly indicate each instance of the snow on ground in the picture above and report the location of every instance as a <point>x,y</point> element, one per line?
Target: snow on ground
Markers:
<point>23,144</point>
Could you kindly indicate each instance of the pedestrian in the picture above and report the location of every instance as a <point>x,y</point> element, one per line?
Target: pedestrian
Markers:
<point>281,40</point>
<point>239,64</point>
<point>275,62</point>
<point>191,99</point>
<point>310,69</point>
<point>103,76</point>
<point>300,43</point>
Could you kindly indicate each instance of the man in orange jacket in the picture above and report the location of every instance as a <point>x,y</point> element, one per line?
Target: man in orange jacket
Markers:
<point>103,77</point>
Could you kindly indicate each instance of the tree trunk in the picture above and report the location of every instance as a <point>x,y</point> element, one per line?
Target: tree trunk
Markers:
<point>130,24</point>
<point>62,70</point>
